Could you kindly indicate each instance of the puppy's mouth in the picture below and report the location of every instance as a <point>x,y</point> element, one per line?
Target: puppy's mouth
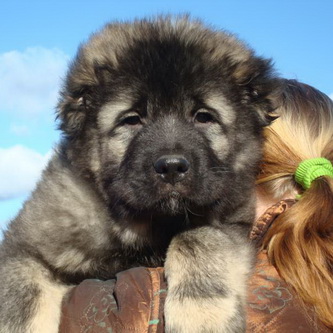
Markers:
<point>172,204</point>
<point>173,210</point>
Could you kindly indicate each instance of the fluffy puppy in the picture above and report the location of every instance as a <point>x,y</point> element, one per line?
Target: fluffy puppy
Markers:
<point>162,130</point>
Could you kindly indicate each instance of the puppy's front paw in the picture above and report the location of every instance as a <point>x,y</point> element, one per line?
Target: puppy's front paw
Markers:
<point>204,315</point>
<point>206,270</point>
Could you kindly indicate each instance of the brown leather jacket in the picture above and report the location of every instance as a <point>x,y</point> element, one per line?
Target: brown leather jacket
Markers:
<point>133,302</point>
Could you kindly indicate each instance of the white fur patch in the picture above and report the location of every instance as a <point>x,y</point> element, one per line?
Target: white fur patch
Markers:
<point>221,105</point>
<point>47,318</point>
<point>47,308</point>
<point>72,259</point>
<point>110,111</point>
<point>129,237</point>
<point>199,315</point>
<point>118,146</point>
<point>219,142</point>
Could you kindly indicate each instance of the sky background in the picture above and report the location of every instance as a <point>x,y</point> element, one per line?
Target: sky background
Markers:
<point>39,38</point>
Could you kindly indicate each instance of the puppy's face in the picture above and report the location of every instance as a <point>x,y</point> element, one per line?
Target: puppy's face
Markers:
<point>170,116</point>
<point>162,156</point>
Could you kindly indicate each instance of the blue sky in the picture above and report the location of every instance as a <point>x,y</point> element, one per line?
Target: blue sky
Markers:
<point>38,39</point>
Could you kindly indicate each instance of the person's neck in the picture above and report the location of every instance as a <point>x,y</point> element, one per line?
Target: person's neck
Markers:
<point>266,200</point>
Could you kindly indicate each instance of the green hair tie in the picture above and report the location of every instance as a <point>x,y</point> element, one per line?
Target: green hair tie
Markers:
<point>309,170</point>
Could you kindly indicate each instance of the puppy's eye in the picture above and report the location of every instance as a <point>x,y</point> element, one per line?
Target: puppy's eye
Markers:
<point>203,118</point>
<point>132,120</point>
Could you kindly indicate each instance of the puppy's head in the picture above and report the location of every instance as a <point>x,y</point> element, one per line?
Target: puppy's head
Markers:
<point>166,115</point>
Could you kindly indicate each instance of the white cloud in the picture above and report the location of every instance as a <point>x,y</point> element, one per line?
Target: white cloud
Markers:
<point>20,168</point>
<point>19,130</point>
<point>331,96</point>
<point>30,80</point>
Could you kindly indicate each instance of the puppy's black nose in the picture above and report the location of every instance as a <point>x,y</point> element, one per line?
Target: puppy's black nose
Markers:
<point>172,168</point>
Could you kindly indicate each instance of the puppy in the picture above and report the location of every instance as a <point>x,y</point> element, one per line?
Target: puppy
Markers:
<point>162,130</point>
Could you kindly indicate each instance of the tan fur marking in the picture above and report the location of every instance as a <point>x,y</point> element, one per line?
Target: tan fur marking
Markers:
<point>220,104</point>
<point>202,315</point>
<point>48,314</point>
<point>109,112</point>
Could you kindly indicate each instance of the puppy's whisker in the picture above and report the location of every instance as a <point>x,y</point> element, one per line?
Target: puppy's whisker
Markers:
<point>187,219</point>
<point>195,214</point>
<point>220,169</point>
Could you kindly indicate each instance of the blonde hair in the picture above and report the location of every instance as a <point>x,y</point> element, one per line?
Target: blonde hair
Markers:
<point>300,241</point>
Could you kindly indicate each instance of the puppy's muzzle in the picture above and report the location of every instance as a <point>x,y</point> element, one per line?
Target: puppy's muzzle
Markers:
<point>172,168</point>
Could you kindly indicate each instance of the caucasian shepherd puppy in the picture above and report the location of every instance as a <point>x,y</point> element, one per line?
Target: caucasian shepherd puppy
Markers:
<point>161,123</point>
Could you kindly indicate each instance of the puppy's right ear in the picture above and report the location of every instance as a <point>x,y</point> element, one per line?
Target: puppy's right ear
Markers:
<point>81,94</point>
<point>75,97</point>
<point>71,113</point>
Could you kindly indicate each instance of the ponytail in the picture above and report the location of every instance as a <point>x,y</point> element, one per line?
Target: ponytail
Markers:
<point>300,245</point>
<point>300,241</point>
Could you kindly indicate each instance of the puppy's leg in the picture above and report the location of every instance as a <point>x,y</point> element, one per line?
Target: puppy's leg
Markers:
<point>30,298</point>
<point>207,269</point>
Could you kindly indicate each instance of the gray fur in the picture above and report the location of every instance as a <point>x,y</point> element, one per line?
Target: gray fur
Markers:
<point>137,92</point>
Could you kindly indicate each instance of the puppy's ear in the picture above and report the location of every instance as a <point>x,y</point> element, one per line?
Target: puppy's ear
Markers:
<point>83,92</point>
<point>71,113</point>
<point>260,87</point>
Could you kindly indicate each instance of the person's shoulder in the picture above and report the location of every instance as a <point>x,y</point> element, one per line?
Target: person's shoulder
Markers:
<point>273,306</point>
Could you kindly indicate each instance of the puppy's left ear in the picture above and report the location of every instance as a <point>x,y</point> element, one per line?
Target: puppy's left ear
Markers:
<point>260,87</point>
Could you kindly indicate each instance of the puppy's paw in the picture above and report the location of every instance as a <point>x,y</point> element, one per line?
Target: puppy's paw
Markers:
<point>206,270</point>
<point>210,315</point>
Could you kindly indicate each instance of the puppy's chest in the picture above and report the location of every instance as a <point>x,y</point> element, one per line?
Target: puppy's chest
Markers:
<point>128,248</point>
<point>119,260</point>
<point>133,251</point>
